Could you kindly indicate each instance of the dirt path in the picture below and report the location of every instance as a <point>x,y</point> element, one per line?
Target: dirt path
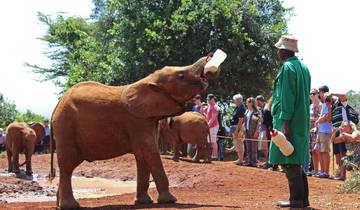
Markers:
<point>220,185</point>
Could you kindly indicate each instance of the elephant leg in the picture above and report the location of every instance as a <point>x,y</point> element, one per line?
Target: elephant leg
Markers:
<point>9,157</point>
<point>176,152</point>
<point>15,160</point>
<point>65,197</point>
<point>198,154</point>
<point>207,152</point>
<point>160,178</point>
<point>28,163</point>
<point>143,177</point>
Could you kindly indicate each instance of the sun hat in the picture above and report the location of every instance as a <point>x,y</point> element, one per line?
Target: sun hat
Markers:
<point>287,42</point>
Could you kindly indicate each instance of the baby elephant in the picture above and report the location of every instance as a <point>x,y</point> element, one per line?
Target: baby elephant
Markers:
<point>190,128</point>
<point>21,137</point>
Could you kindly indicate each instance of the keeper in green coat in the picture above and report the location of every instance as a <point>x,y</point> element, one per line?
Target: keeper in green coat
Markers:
<point>290,110</point>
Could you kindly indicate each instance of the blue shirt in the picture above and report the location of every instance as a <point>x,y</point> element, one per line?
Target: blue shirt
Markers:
<point>238,113</point>
<point>196,108</point>
<point>47,131</point>
<point>325,127</point>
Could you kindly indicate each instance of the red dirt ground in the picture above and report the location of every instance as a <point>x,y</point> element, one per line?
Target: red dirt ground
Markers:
<point>220,185</point>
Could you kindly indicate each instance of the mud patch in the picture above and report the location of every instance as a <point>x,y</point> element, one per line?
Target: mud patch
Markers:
<point>22,188</point>
<point>13,189</point>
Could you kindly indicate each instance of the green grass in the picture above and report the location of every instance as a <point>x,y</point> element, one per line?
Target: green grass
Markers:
<point>3,154</point>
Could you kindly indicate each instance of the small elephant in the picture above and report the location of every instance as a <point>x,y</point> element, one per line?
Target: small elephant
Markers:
<point>93,121</point>
<point>21,137</point>
<point>188,128</point>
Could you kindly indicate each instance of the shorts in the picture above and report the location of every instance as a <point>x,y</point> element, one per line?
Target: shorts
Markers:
<point>239,146</point>
<point>322,143</point>
<point>213,134</point>
<point>339,148</point>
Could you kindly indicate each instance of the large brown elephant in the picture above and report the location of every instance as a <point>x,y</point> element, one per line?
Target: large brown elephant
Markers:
<point>189,128</point>
<point>93,121</point>
<point>21,137</point>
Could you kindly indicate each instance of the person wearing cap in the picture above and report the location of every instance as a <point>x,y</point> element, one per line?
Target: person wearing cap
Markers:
<point>290,111</point>
<point>212,118</point>
<point>322,144</point>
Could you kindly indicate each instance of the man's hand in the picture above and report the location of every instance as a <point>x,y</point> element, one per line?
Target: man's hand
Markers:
<point>286,129</point>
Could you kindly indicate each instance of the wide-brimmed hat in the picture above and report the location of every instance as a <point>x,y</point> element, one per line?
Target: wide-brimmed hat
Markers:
<point>287,42</point>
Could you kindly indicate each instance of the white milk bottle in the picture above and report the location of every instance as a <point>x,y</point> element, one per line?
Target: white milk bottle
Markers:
<point>214,63</point>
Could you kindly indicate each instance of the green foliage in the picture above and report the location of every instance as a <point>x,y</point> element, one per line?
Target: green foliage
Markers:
<point>7,112</point>
<point>29,117</point>
<point>352,184</point>
<point>353,99</point>
<point>126,40</point>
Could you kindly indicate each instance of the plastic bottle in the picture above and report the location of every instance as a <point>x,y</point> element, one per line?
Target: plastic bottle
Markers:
<point>282,143</point>
<point>214,63</point>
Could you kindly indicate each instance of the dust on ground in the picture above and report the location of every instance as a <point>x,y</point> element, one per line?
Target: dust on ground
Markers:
<point>220,185</point>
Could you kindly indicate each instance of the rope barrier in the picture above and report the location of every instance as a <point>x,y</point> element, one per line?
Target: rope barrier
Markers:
<point>246,139</point>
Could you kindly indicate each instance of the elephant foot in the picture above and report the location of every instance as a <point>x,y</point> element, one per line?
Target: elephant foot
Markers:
<point>144,199</point>
<point>16,171</point>
<point>176,158</point>
<point>166,198</point>
<point>29,173</point>
<point>207,161</point>
<point>69,204</point>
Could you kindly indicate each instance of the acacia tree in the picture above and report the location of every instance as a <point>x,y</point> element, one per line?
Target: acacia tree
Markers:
<point>126,40</point>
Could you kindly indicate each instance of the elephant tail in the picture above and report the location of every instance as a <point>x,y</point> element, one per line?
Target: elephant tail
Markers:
<point>52,169</point>
<point>22,163</point>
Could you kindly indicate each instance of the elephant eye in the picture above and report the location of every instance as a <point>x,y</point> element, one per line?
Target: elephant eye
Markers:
<point>181,75</point>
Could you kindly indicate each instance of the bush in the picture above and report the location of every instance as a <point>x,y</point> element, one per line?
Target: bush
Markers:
<point>352,184</point>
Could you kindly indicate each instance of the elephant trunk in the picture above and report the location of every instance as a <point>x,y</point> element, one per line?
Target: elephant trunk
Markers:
<point>208,72</point>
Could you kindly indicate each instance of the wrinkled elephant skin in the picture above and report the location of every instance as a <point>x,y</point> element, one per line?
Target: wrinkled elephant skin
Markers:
<point>188,128</point>
<point>93,121</point>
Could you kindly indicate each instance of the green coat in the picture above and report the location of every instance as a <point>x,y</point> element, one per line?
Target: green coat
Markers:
<point>291,102</point>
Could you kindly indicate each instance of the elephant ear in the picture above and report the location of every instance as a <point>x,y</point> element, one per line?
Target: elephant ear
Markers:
<point>39,130</point>
<point>147,100</point>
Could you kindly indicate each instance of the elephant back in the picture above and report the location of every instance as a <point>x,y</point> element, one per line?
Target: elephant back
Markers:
<point>192,127</point>
<point>15,134</point>
<point>39,131</point>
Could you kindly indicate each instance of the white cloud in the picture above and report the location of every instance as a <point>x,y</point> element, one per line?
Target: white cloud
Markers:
<point>328,33</point>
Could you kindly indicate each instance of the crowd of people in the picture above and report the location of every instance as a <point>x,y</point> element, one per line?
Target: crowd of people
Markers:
<point>332,130</point>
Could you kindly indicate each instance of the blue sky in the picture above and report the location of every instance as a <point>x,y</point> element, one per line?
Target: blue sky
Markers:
<point>327,31</point>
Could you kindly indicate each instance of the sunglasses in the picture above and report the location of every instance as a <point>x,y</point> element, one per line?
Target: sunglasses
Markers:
<point>313,94</point>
